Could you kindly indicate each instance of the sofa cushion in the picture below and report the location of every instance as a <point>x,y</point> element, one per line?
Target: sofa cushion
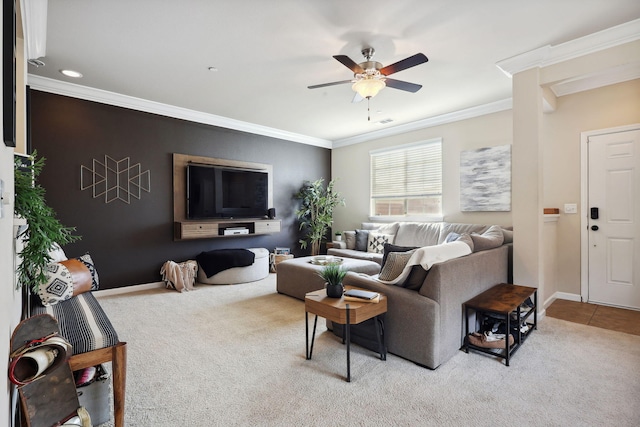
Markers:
<point>352,253</point>
<point>460,228</point>
<point>416,278</point>
<point>464,237</point>
<point>350,239</point>
<point>492,238</point>
<point>394,265</point>
<point>68,278</point>
<point>362,238</point>
<point>82,322</point>
<point>508,235</point>
<point>376,241</point>
<point>418,234</point>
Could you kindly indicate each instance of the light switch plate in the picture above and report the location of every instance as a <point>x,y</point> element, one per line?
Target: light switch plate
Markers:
<point>570,208</point>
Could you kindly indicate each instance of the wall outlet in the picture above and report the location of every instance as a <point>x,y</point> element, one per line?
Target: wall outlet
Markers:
<point>570,208</point>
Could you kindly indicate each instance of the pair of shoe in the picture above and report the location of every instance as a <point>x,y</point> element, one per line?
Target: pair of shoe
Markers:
<point>481,340</point>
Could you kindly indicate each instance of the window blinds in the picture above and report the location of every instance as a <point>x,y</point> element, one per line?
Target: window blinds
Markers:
<point>415,171</point>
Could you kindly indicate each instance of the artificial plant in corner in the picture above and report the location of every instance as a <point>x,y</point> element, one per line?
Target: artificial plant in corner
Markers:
<point>43,228</point>
<point>316,211</point>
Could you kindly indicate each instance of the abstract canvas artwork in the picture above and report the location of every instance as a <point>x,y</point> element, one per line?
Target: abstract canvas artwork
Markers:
<point>485,179</point>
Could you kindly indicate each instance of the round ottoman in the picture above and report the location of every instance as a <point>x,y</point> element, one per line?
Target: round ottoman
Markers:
<point>256,271</point>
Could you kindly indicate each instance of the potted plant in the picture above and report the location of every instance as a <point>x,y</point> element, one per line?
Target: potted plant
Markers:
<point>333,274</point>
<point>316,211</point>
<point>338,236</point>
<point>43,228</point>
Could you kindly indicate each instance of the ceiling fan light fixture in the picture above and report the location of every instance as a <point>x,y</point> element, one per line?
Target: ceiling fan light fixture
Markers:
<point>368,87</point>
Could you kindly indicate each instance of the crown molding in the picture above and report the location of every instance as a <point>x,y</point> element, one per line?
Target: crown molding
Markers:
<point>58,87</point>
<point>468,113</point>
<point>549,55</point>
<point>610,76</point>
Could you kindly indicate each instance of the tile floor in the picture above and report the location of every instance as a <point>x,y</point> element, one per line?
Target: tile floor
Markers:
<point>601,316</point>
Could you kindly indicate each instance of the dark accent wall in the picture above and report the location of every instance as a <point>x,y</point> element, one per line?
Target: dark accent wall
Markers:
<point>130,242</point>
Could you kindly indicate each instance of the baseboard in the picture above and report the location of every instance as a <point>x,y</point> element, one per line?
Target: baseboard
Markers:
<point>129,289</point>
<point>567,296</point>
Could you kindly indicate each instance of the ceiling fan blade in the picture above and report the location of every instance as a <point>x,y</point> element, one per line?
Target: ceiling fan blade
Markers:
<point>406,86</point>
<point>348,62</point>
<point>329,84</point>
<point>412,61</point>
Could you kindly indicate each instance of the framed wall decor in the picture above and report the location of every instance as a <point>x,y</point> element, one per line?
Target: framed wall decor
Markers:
<point>9,72</point>
<point>485,179</point>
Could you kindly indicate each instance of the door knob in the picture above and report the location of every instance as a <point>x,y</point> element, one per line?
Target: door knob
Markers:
<point>595,227</point>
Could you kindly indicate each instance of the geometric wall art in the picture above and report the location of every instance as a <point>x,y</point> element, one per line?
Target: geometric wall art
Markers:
<point>485,179</point>
<point>115,179</point>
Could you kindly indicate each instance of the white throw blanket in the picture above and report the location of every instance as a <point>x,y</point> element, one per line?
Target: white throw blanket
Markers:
<point>429,255</point>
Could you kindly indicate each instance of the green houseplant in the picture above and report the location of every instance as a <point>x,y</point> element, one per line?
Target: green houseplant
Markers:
<point>43,228</point>
<point>333,274</point>
<point>316,211</point>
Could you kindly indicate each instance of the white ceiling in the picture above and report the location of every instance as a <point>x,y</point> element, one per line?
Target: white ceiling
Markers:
<point>268,52</point>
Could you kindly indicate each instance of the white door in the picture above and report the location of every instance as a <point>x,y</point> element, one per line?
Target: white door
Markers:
<point>614,219</point>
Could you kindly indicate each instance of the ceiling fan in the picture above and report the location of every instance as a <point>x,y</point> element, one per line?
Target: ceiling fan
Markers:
<point>370,77</point>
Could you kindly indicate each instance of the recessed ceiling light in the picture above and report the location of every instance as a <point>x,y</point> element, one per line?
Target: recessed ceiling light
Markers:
<point>71,73</point>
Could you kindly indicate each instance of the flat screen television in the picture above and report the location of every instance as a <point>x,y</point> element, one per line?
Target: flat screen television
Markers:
<point>223,192</point>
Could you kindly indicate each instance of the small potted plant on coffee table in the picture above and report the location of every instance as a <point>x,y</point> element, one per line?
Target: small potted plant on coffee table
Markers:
<point>333,275</point>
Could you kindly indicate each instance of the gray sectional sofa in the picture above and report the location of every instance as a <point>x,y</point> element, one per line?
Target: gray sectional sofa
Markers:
<point>424,322</point>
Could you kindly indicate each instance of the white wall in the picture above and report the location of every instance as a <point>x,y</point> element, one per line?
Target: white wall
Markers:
<point>606,107</point>
<point>10,299</point>
<point>350,167</point>
<point>610,106</point>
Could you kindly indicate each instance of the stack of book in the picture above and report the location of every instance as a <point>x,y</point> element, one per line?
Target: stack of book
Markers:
<point>361,296</point>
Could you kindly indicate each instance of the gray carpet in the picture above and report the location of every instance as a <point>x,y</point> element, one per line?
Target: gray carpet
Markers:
<point>235,356</point>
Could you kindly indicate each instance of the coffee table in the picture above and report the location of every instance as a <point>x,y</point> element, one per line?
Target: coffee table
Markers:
<point>347,313</point>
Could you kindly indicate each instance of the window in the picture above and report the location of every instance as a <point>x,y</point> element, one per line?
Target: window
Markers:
<point>407,180</point>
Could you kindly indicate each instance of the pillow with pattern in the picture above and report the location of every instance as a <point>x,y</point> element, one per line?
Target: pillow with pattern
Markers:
<point>68,278</point>
<point>396,262</point>
<point>376,241</point>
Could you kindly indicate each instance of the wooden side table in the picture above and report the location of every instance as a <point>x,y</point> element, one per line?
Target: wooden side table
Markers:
<point>504,300</point>
<point>346,313</point>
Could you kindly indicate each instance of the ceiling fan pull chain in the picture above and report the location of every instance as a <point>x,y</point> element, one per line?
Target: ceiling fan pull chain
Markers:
<point>368,108</point>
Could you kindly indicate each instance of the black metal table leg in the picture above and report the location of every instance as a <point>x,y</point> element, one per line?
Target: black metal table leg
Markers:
<point>313,337</point>
<point>466,337</point>
<point>506,340</point>
<point>382,345</point>
<point>348,338</point>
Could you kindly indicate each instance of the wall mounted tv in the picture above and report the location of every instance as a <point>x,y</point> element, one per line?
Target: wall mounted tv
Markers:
<point>224,192</point>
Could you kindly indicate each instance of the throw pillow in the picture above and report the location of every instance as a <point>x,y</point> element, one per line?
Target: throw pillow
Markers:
<point>68,278</point>
<point>388,247</point>
<point>376,241</point>
<point>492,238</point>
<point>362,236</point>
<point>350,239</point>
<point>416,278</point>
<point>396,262</point>
<point>464,237</point>
<point>508,235</point>
<point>451,237</point>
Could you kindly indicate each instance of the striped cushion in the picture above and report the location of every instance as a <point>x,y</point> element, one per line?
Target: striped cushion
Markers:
<point>392,268</point>
<point>82,322</point>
